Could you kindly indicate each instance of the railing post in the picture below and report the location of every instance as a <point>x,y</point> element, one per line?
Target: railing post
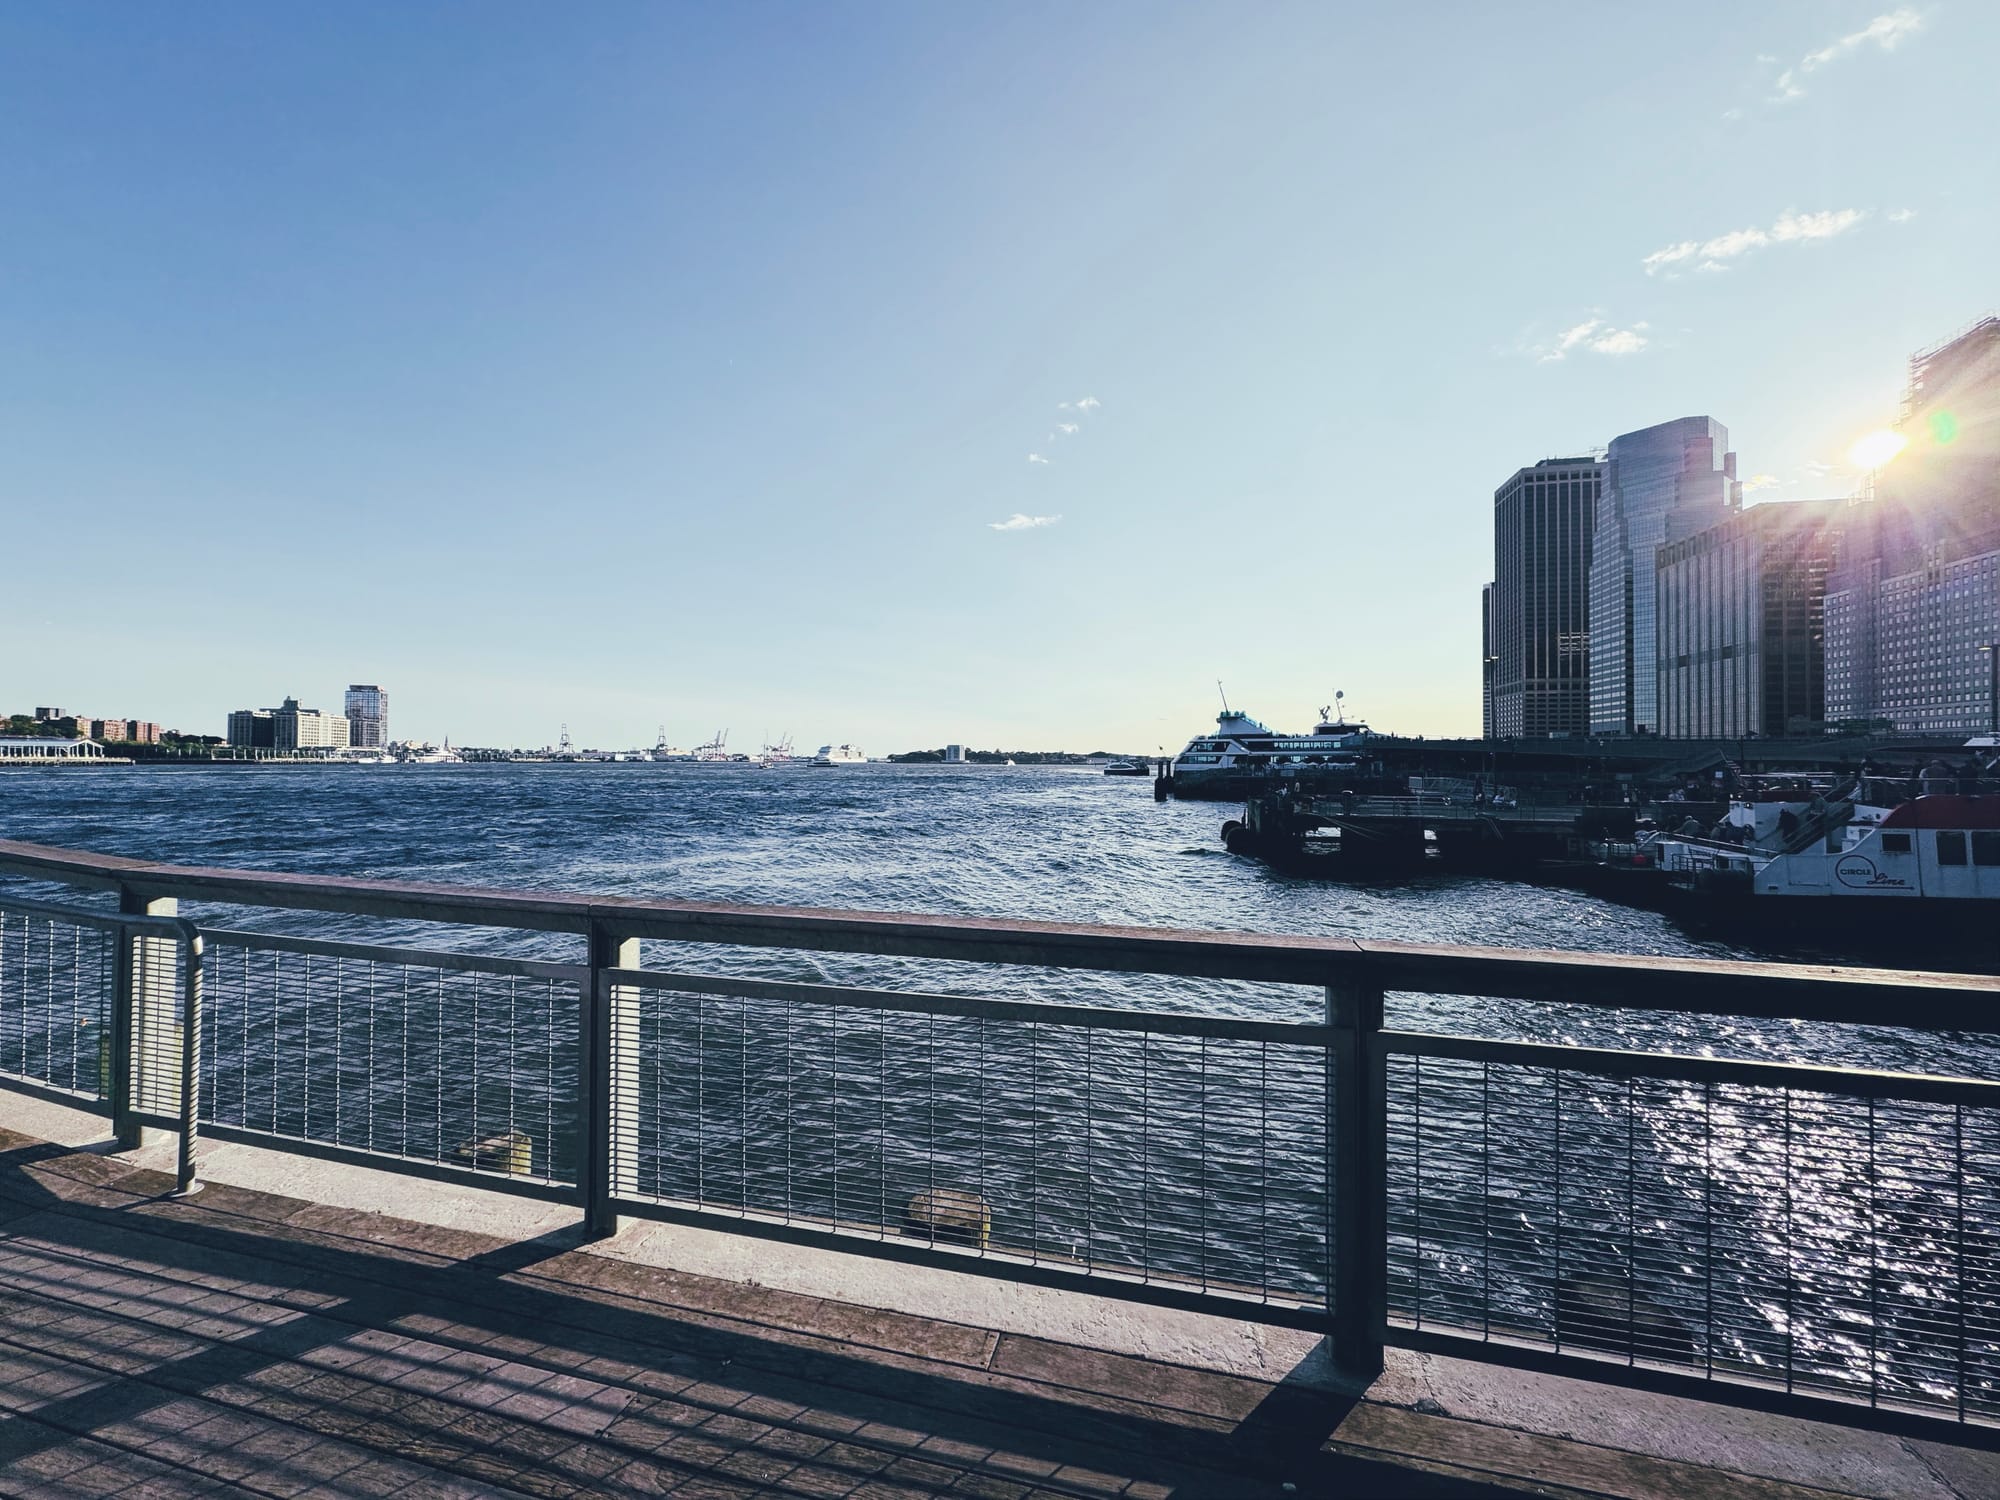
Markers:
<point>185,1179</point>
<point>607,1088</point>
<point>1357,1161</point>
<point>131,1021</point>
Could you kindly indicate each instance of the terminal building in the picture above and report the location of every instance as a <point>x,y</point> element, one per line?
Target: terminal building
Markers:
<point>1913,612</point>
<point>1741,621</point>
<point>1536,612</point>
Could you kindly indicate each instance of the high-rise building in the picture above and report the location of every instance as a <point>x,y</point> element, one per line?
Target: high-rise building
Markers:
<point>367,716</point>
<point>1536,648</point>
<point>1741,621</point>
<point>1917,596</point>
<point>1487,661</point>
<point>1660,484</point>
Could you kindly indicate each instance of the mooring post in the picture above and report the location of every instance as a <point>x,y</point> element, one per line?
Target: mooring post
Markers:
<point>1358,1185</point>
<point>607,1159</point>
<point>135,1011</point>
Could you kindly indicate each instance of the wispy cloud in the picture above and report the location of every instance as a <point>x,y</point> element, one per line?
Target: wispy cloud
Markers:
<point>1758,482</point>
<point>1714,254</point>
<point>1019,522</point>
<point>1888,32</point>
<point>1901,215</point>
<point>1068,429</point>
<point>1592,336</point>
<point>1036,458</point>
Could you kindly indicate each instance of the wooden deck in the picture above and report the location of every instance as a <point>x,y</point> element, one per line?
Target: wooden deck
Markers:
<point>239,1342</point>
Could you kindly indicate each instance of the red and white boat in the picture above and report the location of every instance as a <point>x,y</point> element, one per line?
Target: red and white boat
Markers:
<point>1931,854</point>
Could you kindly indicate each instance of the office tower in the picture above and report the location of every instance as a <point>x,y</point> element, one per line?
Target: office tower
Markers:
<point>367,716</point>
<point>1487,661</point>
<point>1741,621</point>
<point>1916,600</point>
<point>1660,484</point>
<point>1536,653</point>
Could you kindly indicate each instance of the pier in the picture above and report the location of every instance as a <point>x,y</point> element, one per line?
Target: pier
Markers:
<point>1448,1249</point>
<point>1286,826</point>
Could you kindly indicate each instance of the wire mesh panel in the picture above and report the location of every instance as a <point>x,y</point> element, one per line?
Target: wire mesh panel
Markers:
<point>444,1058</point>
<point>1190,1159</point>
<point>1828,1243</point>
<point>57,975</point>
<point>157,978</point>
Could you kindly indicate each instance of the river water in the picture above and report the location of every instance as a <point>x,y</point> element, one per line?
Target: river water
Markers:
<point>1204,1160</point>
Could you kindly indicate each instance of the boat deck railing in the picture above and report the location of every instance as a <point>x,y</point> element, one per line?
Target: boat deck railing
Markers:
<point>1774,1233</point>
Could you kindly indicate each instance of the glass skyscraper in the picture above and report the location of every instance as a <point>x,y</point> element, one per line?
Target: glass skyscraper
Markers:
<point>1660,484</point>
<point>367,716</point>
<point>1536,632</point>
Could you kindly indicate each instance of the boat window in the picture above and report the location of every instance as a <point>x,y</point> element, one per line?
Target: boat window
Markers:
<point>1895,843</point>
<point>1986,847</point>
<point>1951,847</point>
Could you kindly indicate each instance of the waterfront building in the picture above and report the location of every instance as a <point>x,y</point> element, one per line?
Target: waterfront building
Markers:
<point>287,727</point>
<point>36,747</point>
<point>954,755</point>
<point>1741,623</point>
<point>367,716</point>
<point>296,728</point>
<point>1660,484</point>
<point>1915,604</point>
<point>49,715</point>
<point>1536,645</point>
<point>251,729</point>
<point>110,731</point>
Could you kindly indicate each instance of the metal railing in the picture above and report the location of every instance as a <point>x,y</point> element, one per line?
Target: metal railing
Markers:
<point>1813,1236</point>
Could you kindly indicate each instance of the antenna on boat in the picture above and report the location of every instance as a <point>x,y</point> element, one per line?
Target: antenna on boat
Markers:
<point>1224,696</point>
<point>1338,695</point>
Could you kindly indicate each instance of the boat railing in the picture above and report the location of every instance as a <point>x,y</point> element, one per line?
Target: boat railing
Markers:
<point>1329,1153</point>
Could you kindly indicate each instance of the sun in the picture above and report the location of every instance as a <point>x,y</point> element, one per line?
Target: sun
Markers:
<point>1875,450</point>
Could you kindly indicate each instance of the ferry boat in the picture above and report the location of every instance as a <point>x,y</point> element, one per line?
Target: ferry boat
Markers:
<point>1242,757</point>
<point>839,755</point>
<point>1933,856</point>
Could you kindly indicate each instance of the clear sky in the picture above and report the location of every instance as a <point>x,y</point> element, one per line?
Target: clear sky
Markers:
<point>622,365</point>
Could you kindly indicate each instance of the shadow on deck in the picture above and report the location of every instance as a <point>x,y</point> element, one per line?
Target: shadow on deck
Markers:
<point>243,1342</point>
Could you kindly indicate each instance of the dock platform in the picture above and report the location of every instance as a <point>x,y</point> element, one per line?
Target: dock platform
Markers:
<point>243,1342</point>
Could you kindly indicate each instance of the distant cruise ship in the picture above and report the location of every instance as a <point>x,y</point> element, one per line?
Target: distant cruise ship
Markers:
<point>839,755</point>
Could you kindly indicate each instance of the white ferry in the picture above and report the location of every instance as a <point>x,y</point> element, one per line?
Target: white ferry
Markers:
<point>1242,756</point>
<point>839,755</point>
<point>1934,855</point>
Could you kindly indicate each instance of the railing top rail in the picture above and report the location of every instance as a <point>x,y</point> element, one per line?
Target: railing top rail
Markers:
<point>1914,999</point>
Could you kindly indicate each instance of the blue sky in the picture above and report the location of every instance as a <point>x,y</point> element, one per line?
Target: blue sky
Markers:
<point>642,364</point>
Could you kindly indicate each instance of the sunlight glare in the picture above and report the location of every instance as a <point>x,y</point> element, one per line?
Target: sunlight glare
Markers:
<point>1876,449</point>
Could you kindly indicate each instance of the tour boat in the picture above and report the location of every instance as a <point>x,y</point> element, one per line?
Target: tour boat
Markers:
<point>839,755</point>
<point>1242,756</point>
<point>1937,854</point>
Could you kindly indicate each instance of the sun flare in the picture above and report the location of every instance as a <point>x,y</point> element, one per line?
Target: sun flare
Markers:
<point>1876,449</point>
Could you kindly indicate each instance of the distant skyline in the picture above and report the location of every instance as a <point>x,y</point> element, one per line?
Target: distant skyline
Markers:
<point>904,374</point>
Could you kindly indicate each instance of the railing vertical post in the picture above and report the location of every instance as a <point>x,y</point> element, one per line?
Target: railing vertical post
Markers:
<point>131,1024</point>
<point>1357,1158</point>
<point>607,1090</point>
<point>185,1179</point>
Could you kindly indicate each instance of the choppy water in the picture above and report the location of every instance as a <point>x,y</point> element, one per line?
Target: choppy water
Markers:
<point>1054,844</point>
